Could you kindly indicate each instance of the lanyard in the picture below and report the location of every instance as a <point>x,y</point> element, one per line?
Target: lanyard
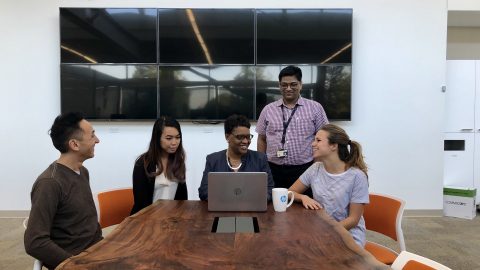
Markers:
<point>285,124</point>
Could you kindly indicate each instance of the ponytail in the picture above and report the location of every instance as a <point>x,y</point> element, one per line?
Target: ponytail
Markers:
<point>355,158</point>
<point>349,151</point>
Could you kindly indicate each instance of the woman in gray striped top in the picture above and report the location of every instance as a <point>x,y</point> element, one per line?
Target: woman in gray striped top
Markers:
<point>338,180</point>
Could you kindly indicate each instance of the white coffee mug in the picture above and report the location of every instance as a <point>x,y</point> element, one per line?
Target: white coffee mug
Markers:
<point>280,199</point>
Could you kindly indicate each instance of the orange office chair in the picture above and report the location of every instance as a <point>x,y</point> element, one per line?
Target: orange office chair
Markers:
<point>114,206</point>
<point>409,261</point>
<point>384,215</point>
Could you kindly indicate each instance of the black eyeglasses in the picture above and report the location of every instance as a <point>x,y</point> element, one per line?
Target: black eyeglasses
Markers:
<point>242,137</point>
<point>292,85</point>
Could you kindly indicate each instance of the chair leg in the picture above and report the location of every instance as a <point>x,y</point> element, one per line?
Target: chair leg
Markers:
<point>37,265</point>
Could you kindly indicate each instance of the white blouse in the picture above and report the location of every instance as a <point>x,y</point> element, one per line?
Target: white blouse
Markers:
<point>164,189</point>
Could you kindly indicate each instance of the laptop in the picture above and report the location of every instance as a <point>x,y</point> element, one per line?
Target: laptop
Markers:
<point>237,191</point>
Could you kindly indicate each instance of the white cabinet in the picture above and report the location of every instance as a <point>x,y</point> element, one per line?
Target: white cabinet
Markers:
<point>476,172</point>
<point>458,160</point>
<point>460,96</point>
<point>477,96</point>
<point>462,125</point>
<point>476,159</point>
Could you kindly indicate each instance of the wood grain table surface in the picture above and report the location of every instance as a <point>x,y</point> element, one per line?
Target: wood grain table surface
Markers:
<point>177,235</point>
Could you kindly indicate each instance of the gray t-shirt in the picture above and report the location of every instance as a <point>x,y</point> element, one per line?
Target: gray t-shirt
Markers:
<point>335,192</point>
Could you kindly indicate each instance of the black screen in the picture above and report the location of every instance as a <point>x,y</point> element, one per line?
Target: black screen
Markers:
<point>304,36</point>
<point>202,92</point>
<point>327,84</point>
<point>108,35</point>
<point>201,64</point>
<point>110,91</point>
<point>206,36</point>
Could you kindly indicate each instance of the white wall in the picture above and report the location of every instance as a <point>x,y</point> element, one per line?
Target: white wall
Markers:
<point>399,53</point>
<point>463,5</point>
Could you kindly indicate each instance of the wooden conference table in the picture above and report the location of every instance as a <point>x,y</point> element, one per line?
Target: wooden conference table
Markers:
<point>177,235</point>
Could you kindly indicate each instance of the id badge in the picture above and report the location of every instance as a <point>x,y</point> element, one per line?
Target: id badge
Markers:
<point>282,153</point>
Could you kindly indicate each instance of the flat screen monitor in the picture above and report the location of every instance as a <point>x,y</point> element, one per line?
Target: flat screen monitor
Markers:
<point>304,36</point>
<point>200,64</point>
<point>206,92</point>
<point>206,36</point>
<point>108,35</point>
<point>110,91</point>
<point>330,85</point>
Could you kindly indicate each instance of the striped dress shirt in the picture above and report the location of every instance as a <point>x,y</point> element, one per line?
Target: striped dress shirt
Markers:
<point>308,118</point>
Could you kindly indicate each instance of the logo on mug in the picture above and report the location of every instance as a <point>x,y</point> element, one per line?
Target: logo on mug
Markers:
<point>283,198</point>
<point>237,191</point>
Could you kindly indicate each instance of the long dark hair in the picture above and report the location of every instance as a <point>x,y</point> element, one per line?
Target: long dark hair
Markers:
<point>354,157</point>
<point>176,161</point>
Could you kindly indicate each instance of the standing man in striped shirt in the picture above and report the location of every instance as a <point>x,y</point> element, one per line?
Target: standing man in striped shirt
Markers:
<point>286,129</point>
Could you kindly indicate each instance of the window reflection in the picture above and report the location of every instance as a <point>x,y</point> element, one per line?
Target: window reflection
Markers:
<point>113,35</point>
<point>330,85</point>
<point>110,91</point>
<point>206,92</point>
<point>309,36</point>
<point>206,36</point>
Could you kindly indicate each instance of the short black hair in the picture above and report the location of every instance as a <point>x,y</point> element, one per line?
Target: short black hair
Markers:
<point>236,120</point>
<point>290,71</point>
<point>65,127</point>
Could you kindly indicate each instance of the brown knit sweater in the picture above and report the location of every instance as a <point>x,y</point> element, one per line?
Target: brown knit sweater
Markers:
<point>63,219</point>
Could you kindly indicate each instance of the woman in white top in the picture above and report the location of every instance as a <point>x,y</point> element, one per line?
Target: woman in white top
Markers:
<point>338,180</point>
<point>159,173</point>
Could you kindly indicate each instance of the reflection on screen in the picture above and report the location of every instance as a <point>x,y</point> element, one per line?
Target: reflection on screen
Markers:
<point>308,36</point>
<point>330,85</point>
<point>210,36</point>
<point>110,91</point>
<point>112,35</point>
<point>212,93</point>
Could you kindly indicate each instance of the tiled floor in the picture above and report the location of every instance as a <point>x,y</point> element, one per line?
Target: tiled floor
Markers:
<point>450,241</point>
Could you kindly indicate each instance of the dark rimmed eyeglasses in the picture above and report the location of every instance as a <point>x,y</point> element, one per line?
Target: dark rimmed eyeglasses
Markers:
<point>242,137</point>
<point>293,85</point>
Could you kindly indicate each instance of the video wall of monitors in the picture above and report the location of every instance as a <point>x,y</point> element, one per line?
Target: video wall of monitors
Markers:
<point>200,64</point>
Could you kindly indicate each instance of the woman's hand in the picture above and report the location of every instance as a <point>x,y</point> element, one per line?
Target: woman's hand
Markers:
<point>298,188</point>
<point>310,203</point>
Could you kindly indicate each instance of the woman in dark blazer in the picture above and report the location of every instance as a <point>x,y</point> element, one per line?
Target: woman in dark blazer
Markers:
<point>159,173</point>
<point>237,157</point>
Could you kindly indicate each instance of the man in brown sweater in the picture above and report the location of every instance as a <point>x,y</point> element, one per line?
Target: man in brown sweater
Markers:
<point>63,219</point>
